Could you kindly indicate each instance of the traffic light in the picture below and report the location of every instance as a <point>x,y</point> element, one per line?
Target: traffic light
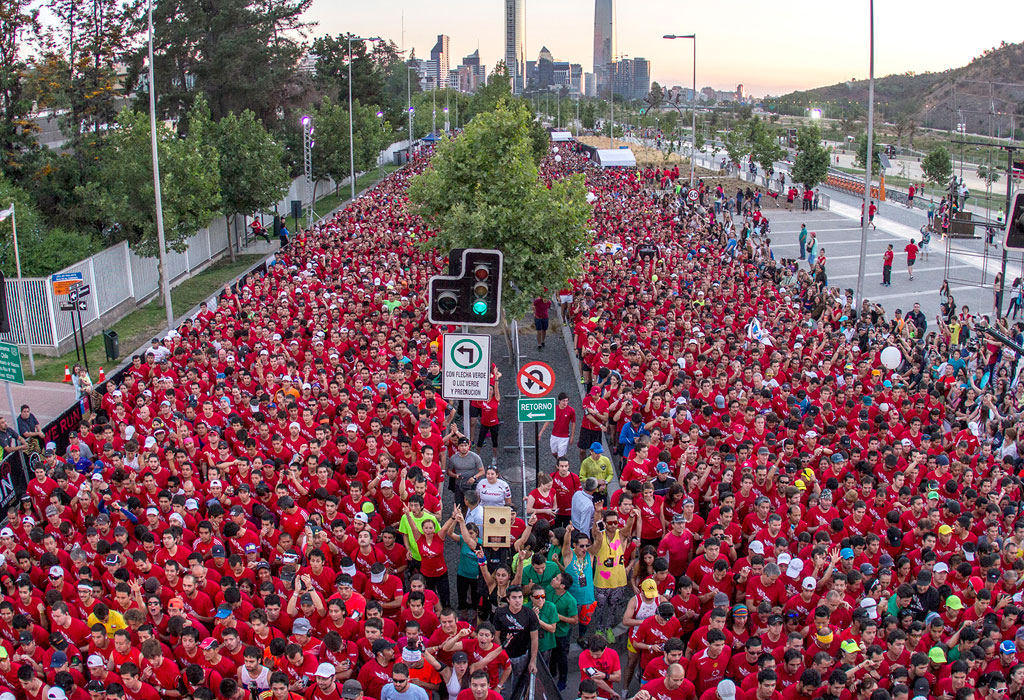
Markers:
<point>472,294</point>
<point>1015,223</point>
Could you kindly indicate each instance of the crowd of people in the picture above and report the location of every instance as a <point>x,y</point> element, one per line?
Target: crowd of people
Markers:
<point>272,500</point>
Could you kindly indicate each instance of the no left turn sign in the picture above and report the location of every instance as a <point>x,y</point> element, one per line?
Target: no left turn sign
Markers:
<point>536,379</point>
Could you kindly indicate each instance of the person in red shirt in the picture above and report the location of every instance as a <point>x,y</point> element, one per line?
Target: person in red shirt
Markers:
<point>706,668</point>
<point>911,249</point>
<point>134,687</point>
<point>479,688</point>
<point>887,257</point>
<point>489,421</point>
<point>673,686</point>
<point>600,664</point>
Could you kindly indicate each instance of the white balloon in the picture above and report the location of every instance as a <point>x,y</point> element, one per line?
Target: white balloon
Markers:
<point>891,357</point>
<point>556,149</point>
<point>558,159</point>
<point>591,197</point>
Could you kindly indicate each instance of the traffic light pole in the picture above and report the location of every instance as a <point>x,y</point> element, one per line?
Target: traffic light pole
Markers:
<point>465,403</point>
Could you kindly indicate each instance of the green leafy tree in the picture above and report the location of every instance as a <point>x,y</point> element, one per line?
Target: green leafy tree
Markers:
<point>937,166</point>
<point>812,159</point>
<point>482,191</point>
<point>860,156</point>
<point>656,96</point>
<point>764,146</point>
<point>240,54</point>
<point>735,145</point>
<point>588,114</point>
<point>18,21</point>
<point>330,152</point>
<point>43,250</point>
<point>120,195</point>
<point>252,173</point>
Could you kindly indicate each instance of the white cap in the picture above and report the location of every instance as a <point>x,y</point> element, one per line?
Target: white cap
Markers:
<point>56,571</point>
<point>295,424</point>
<point>726,690</point>
<point>783,559</point>
<point>152,511</point>
<point>55,693</point>
<point>6,532</point>
<point>216,483</point>
<point>795,568</point>
<point>757,547</point>
<point>325,670</point>
<point>809,583</point>
<point>386,484</point>
<point>941,568</point>
<point>150,442</point>
<point>95,661</point>
<point>871,606</point>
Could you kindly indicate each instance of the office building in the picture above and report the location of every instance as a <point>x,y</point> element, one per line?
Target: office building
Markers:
<point>604,42</point>
<point>641,78</point>
<point>439,62</point>
<point>515,44</point>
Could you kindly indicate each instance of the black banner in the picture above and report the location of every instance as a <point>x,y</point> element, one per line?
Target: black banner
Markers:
<point>13,480</point>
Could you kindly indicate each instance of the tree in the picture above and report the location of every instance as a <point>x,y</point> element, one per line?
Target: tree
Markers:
<point>42,250</point>
<point>121,193</point>
<point>937,166</point>
<point>812,159</point>
<point>860,157</point>
<point>764,145</point>
<point>482,191</point>
<point>241,54</point>
<point>588,114</point>
<point>735,145</point>
<point>252,173</point>
<point>656,96</point>
<point>17,22</point>
<point>330,152</point>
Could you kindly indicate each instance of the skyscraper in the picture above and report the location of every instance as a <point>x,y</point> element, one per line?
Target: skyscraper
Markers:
<point>604,42</point>
<point>515,44</point>
<point>440,60</point>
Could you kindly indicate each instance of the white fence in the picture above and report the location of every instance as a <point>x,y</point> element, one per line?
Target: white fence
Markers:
<point>117,275</point>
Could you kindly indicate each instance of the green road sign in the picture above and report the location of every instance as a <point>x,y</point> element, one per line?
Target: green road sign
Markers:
<point>10,364</point>
<point>536,410</point>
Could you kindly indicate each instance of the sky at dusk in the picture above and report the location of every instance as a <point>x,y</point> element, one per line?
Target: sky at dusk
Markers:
<point>769,50</point>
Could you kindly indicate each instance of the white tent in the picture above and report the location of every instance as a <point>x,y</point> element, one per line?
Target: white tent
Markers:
<point>561,136</point>
<point>616,158</point>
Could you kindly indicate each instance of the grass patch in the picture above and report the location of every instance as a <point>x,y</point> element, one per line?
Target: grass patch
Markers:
<point>140,325</point>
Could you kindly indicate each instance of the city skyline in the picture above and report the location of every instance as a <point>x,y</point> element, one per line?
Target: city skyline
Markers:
<point>728,52</point>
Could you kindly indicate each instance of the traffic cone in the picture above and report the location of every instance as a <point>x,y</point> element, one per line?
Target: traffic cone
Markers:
<point>103,375</point>
<point>67,375</point>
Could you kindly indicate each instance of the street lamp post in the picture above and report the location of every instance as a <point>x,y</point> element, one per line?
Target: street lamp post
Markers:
<point>869,157</point>
<point>165,284</point>
<point>351,146</point>
<point>693,112</point>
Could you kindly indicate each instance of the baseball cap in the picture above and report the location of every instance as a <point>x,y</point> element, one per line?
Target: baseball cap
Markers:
<point>301,626</point>
<point>1008,647</point>
<point>56,571</point>
<point>380,645</point>
<point>726,690</point>
<point>953,602</point>
<point>846,553</point>
<point>55,694</point>
<point>325,671</point>
<point>222,613</point>
<point>596,448</point>
<point>208,643</point>
<point>649,587</point>
<point>218,551</point>
<point>938,656</point>
<point>942,568</point>
<point>460,657</point>
<point>809,584</point>
<point>95,686</point>
<point>945,530</point>
<point>353,689</point>
<point>849,646</point>
<point>59,658</point>
<point>757,547</point>
<point>95,661</point>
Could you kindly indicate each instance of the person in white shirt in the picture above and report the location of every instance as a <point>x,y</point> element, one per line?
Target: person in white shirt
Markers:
<point>493,491</point>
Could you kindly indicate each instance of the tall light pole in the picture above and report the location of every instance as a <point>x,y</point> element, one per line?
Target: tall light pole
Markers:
<point>307,165</point>
<point>351,145</point>
<point>869,158</point>
<point>10,212</point>
<point>693,112</point>
<point>409,76</point>
<point>165,284</point>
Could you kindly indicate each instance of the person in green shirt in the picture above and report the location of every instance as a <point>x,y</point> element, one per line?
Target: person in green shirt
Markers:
<point>597,465</point>
<point>566,607</point>
<point>547,616</point>
<point>539,573</point>
<point>417,516</point>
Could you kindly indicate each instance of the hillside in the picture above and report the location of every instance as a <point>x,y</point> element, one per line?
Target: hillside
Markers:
<point>929,97</point>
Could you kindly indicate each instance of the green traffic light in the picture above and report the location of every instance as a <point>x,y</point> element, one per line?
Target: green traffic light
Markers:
<point>480,307</point>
